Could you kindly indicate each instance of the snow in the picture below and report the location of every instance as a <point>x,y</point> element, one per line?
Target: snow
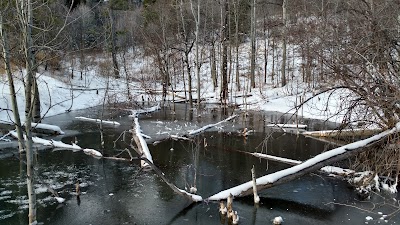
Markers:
<point>54,128</point>
<point>337,170</point>
<point>92,152</point>
<point>257,199</point>
<point>195,198</point>
<point>389,188</point>
<point>368,218</point>
<point>277,220</point>
<point>60,144</point>
<point>60,200</point>
<point>235,219</point>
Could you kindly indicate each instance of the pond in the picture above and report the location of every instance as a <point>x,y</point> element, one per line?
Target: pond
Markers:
<point>116,192</point>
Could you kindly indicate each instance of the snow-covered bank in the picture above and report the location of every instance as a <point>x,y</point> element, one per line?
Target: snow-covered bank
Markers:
<point>60,93</point>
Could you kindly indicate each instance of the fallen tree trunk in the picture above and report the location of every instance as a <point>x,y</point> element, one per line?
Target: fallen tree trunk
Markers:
<point>313,164</point>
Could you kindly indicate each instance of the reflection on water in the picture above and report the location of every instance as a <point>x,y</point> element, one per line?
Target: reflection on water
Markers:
<point>120,193</point>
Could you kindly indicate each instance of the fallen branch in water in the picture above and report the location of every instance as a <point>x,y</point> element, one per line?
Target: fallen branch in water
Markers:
<point>136,113</point>
<point>105,122</point>
<point>47,128</point>
<point>194,132</point>
<point>62,145</point>
<point>313,164</point>
<point>142,149</point>
<point>326,169</point>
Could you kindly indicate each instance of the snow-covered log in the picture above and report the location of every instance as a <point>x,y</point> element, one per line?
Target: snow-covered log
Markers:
<point>105,122</point>
<point>315,163</point>
<point>141,143</point>
<point>194,132</point>
<point>135,113</point>
<point>47,128</point>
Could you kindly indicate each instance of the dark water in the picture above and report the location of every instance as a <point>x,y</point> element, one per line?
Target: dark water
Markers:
<point>120,193</point>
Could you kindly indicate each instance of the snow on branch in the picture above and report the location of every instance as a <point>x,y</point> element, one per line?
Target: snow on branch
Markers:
<point>47,128</point>
<point>4,137</point>
<point>310,165</point>
<point>62,145</point>
<point>106,122</point>
<point>194,132</point>
<point>139,139</point>
<point>135,113</point>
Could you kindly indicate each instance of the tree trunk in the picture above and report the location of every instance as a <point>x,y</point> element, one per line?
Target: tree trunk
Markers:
<point>284,40</point>
<point>224,64</point>
<point>113,44</point>
<point>14,104</point>
<point>36,117</point>
<point>266,47</point>
<point>237,45</point>
<point>273,62</point>
<point>253,45</point>
<point>213,66</point>
<point>198,64</point>
<point>189,79</point>
<point>25,14</point>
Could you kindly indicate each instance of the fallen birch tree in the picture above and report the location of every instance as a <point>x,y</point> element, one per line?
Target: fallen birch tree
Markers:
<point>313,164</point>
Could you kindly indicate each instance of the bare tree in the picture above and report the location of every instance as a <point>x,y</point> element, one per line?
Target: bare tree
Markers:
<point>224,55</point>
<point>24,8</point>
<point>6,56</point>
<point>253,45</point>
<point>196,15</point>
<point>284,41</point>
